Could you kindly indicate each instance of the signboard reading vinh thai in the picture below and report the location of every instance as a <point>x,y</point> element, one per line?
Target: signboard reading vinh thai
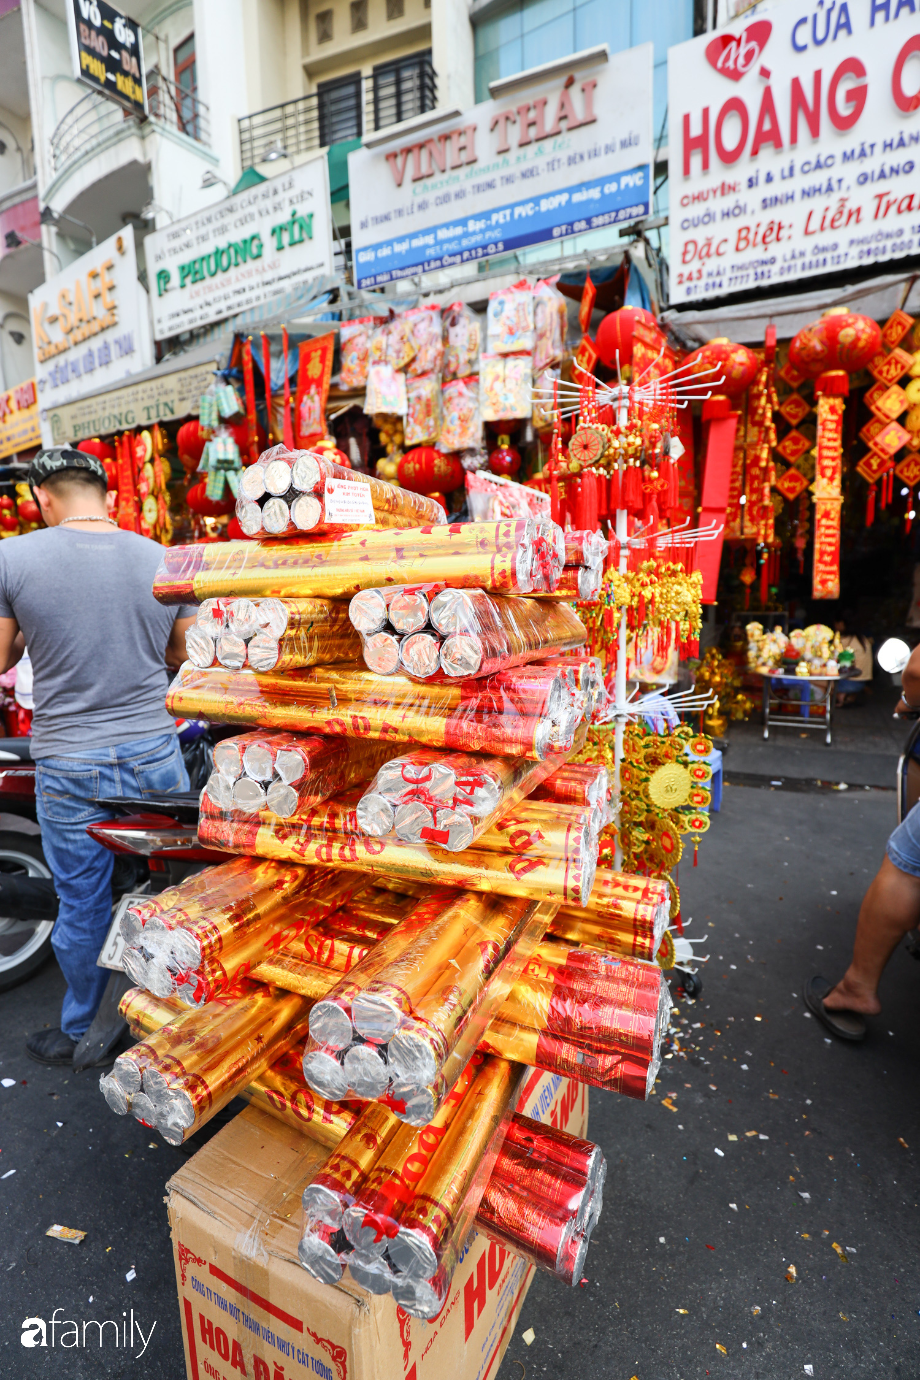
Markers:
<point>794,138</point>
<point>240,252</point>
<point>556,157</point>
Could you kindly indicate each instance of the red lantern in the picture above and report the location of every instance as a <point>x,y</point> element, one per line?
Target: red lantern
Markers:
<point>840,341</point>
<point>427,471</point>
<point>101,449</point>
<point>191,441</point>
<point>616,333</point>
<point>28,510</point>
<point>198,501</point>
<point>735,365</point>
<point>240,433</point>
<point>505,459</point>
<point>329,448</point>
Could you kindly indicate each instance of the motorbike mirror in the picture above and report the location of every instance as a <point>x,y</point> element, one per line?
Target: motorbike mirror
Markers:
<point>893,655</point>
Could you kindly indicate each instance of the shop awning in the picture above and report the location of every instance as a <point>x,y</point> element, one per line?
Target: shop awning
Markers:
<point>876,297</point>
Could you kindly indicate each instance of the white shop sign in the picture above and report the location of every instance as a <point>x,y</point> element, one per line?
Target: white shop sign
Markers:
<point>567,154</point>
<point>240,252</point>
<point>794,138</point>
<point>90,326</point>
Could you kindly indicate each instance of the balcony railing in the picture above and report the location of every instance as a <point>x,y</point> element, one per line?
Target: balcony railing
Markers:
<point>94,119</point>
<point>344,109</point>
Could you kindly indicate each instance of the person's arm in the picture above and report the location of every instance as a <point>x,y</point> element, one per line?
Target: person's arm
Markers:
<point>910,684</point>
<point>12,643</point>
<point>175,647</point>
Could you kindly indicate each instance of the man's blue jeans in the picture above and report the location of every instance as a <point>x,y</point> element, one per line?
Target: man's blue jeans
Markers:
<point>67,791</point>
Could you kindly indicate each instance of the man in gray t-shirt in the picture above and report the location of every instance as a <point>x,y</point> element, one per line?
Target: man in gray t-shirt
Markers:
<point>79,594</point>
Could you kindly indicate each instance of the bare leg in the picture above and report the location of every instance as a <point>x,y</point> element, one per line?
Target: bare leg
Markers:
<point>890,908</point>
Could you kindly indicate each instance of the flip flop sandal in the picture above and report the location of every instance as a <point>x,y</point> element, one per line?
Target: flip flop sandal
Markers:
<point>846,1025</point>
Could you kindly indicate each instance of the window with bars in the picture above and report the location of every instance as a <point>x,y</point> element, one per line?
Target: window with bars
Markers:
<point>403,88</point>
<point>185,74</point>
<point>339,106</point>
<point>324,26</point>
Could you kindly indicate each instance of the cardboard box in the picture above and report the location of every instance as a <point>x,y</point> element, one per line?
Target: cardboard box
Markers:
<point>249,1309</point>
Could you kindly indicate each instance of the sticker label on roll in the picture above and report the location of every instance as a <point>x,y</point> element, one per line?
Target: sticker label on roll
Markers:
<point>347,502</point>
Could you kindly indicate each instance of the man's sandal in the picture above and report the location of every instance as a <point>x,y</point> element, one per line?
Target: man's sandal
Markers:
<point>846,1025</point>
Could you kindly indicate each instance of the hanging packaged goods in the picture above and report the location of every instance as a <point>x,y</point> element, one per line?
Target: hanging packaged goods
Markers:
<point>790,150</point>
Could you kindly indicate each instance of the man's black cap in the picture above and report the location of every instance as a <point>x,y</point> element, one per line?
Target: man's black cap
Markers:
<point>57,458</point>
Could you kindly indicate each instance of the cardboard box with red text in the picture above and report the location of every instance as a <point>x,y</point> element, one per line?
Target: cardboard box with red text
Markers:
<point>249,1309</point>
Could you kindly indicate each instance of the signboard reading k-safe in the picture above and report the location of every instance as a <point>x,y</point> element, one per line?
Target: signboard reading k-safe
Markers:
<point>553,158</point>
<point>794,138</point>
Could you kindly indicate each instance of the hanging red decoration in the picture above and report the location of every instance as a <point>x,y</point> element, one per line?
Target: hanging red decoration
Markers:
<point>101,449</point>
<point>198,501</point>
<point>505,460</point>
<point>615,333</point>
<point>191,440</point>
<point>426,470</point>
<point>736,365</point>
<point>840,341</point>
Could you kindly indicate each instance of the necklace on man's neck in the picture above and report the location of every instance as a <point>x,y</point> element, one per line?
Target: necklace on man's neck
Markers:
<point>88,517</point>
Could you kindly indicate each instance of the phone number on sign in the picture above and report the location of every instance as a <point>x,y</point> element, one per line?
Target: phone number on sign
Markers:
<point>576,227</point>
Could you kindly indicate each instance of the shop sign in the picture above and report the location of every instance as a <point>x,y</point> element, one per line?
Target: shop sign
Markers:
<point>165,399</point>
<point>560,157</point>
<point>90,326</point>
<point>794,142</point>
<point>19,427</point>
<point>108,53</point>
<point>242,251</point>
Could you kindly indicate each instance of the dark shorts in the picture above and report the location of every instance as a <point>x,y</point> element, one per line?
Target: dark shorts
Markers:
<point>903,847</point>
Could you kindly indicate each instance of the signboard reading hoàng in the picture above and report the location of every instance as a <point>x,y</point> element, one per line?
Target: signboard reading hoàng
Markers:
<point>794,138</point>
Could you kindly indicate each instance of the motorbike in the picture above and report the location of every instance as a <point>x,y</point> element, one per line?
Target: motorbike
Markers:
<point>154,840</point>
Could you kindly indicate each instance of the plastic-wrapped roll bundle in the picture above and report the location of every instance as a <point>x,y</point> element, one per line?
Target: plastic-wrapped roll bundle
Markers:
<point>199,958</point>
<point>372,1219</point>
<point>530,1226</point>
<point>626,1010</point>
<point>279,1089</point>
<point>575,783</point>
<point>633,909</point>
<point>586,674</point>
<point>198,1062</point>
<point>271,634</point>
<point>512,557</point>
<point>585,548</point>
<point>249,883</point>
<point>288,492</point>
<point>465,632</point>
<point>277,774</point>
<point>446,799</point>
<point>631,1075</point>
<point>331,1191</point>
<point>434,1224</point>
<point>577,582</point>
<point>550,1145</point>
<point>495,720</point>
<point>546,876</point>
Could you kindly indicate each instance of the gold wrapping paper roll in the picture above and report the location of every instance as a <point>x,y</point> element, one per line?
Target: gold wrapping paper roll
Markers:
<point>486,555</point>
<point>575,783</point>
<point>394,990</point>
<point>566,881</point>
<point>333,1188</point>
<point>245,889</point>
<point>450,1191</point>
<point>628,1074</point>
<point>388,1186</point>
<point>397,710</point>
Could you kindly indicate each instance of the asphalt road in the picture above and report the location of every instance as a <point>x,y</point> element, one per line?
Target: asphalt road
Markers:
<point>681,1283</point>
<point>779,875</point>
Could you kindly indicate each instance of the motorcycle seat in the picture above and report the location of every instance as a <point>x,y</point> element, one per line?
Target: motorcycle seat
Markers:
<point>15,750</point>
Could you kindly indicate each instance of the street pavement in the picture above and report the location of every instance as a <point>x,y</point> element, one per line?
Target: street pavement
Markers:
<point>679,1282</point>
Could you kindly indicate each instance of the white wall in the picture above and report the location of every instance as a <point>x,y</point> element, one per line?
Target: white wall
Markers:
<point>15,360</point>
<point>452,53</point>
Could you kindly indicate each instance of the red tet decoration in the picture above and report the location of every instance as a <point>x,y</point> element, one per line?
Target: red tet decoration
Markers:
<point>427,471</point>
<point>198,501</point>
<point>504,458</point>
<point>101,449</point>
<point>240,434</point>
<point>616,333</point>
<point>736,365</point>
<point>840,342</point>
<point>191,441</point>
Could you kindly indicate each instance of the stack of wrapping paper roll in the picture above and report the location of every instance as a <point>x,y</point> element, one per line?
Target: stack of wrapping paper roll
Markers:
<point>413,912</point>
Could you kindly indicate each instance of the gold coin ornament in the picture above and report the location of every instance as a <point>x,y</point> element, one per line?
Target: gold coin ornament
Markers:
<point>670,786</point>
<point>666,952</point>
